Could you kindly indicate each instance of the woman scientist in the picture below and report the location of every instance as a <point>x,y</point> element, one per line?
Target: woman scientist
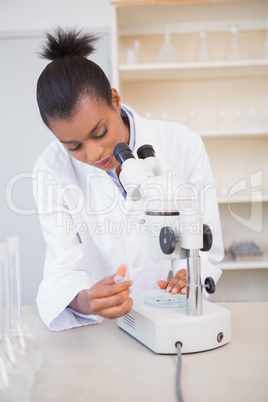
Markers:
<point>92,230</point>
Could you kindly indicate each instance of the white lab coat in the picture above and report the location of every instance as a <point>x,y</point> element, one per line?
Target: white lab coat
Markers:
<point>90,229</point>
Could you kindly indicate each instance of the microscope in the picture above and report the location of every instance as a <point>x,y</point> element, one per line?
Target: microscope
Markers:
<point>175,231</point>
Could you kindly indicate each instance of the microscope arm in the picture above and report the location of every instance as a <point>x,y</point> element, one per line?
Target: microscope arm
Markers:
<point>160,185</point>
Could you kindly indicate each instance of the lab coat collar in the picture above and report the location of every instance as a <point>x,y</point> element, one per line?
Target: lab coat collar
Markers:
<point>143,136</point>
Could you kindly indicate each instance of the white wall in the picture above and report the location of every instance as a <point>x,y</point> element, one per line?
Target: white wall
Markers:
<point>31,15</point>
<point>23,135</point>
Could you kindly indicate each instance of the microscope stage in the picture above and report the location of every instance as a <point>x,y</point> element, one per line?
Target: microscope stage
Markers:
<point>159,328</point>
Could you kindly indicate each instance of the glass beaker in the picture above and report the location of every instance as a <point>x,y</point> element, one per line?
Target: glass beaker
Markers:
<point>192,121</point>
<point>133,54</point>
<point>233,51</point>
<point>13,385</point>
<point>202,52</point>
<point>20,330</point>
<point>13,352</point>
<point>221,120</point>
<point>237,122</point>
<point>253,122</point>
<point>168,53</point>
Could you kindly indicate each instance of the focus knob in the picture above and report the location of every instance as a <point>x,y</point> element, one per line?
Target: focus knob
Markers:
<point>207,238</point>
<point>210,285</point>
<point>167,240</point>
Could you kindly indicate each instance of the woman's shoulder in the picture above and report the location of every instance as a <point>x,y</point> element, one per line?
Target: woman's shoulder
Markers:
<point>54,157</point>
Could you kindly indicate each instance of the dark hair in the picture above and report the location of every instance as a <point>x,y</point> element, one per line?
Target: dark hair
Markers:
<point>70,77</point>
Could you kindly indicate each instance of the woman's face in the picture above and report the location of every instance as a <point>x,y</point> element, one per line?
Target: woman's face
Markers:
<point>93,132</point>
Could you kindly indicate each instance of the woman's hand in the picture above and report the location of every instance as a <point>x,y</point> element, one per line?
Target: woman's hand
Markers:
<point>177,284</point>
<point>106,298</point>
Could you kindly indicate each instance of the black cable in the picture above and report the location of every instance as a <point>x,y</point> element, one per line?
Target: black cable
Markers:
<point>178,376</point>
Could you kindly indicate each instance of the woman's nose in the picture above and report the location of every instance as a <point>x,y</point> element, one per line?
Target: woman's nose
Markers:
<point>93,152</point>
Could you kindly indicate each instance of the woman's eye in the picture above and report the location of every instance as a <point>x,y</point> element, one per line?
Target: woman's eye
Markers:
<point>80,145</point>
<point>74,149</point>
<point>102,135</point>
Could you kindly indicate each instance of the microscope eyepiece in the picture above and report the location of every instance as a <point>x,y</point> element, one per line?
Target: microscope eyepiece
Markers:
<point>122,152</point>
<point>145,151</point>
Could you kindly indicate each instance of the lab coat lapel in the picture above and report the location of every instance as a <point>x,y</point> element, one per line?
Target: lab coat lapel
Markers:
<point>103,183</point>
<point>144,133</point>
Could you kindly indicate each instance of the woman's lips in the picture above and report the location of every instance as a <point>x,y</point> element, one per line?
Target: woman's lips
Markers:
<point>105,164</point>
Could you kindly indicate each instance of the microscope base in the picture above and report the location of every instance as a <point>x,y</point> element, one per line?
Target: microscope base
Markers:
<point>160,328</point>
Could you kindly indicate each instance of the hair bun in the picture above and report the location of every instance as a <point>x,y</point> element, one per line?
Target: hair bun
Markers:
<point>68,43</point>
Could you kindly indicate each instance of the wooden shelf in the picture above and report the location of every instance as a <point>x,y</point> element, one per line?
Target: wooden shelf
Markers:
<point>238,265</point>
<point>259,132</point>
<point>241,199</point>
<point>205,88</point>
<point>175,71</point>
<point>149,17</point>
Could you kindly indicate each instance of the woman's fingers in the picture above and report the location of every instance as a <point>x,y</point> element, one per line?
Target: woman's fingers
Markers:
<point>178,282</point>
<point>162,284</point>
<point>109,298</point>
<point>176,285</point>
<point>116,311</point>
<point>102,290</point>
<point>102,303</point>
<point>121,270</point>
<point>109,280</point>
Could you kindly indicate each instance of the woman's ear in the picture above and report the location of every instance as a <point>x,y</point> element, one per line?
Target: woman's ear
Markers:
<point>116,100</point>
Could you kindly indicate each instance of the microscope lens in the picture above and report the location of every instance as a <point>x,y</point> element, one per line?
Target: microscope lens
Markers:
<point>145,151</point>
<point>122,152</point>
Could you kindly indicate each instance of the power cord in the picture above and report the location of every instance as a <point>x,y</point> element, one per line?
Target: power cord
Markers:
<point>178,345</point>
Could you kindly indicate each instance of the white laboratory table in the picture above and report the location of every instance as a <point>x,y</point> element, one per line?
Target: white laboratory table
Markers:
<point>103,363</point>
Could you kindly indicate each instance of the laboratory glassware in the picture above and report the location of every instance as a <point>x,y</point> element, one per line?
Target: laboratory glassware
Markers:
<point>168,53</point>
<point>13,386</point>
<point>192,121</point>
<point>237,122</point>
<point>233,51</point>
<point>253,118</point>
<point>21,332</point>
<point>164,115</point>
<point>136,47</point>
<point>202,52</point>
<point>133,54</point>
<point>221,122</point>
<point>148,114</point>
<point>13,351</point>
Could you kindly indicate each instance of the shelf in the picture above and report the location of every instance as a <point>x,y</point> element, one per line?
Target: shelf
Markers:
<point>238,157</point>
<point>241,199</point>
<point>213,69</point>
<point>237,265</point>
<point>250,132</point>
<point>184,16</point>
